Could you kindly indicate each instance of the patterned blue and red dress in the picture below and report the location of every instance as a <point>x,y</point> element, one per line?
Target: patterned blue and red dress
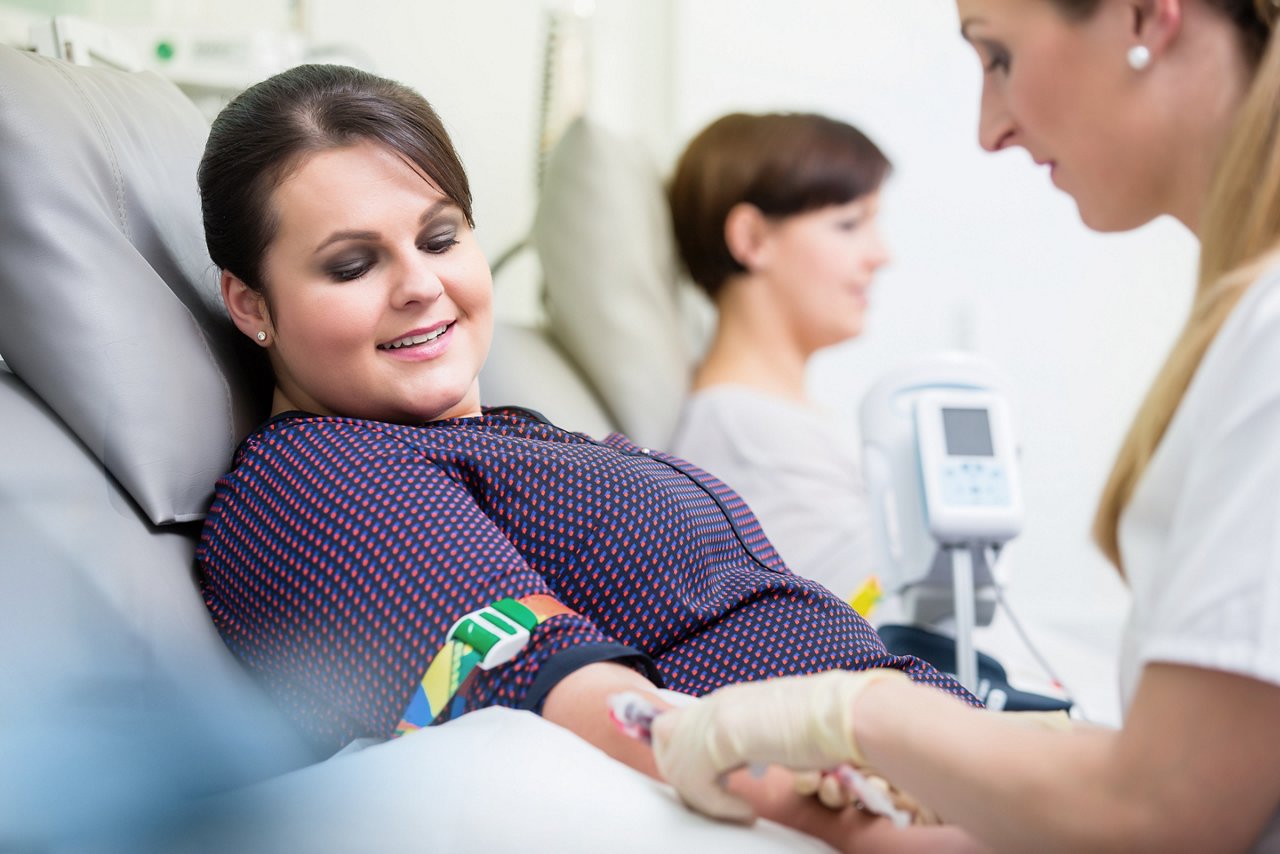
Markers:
<point>338,552</point>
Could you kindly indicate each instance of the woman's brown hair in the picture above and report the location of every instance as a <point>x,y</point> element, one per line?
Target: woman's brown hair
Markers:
<point>782,163</point>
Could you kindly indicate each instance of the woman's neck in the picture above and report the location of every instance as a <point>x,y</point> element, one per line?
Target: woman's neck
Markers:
<point>752,349</point>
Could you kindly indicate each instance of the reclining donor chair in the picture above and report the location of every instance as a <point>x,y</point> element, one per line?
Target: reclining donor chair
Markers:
<point>124,722</point>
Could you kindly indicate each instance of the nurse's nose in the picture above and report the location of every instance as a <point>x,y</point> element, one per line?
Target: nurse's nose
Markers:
<point>995,124</point>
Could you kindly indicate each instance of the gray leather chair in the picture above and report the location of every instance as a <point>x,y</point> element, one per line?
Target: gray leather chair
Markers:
<point>122,397</point>
<point>123,719</point>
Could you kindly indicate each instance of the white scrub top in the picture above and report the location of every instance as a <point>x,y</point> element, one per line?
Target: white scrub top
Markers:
<point>1200,539</point>
<point>797,470</point>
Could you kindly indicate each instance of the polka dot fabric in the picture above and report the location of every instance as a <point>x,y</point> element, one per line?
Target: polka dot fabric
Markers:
<point>338,552</point>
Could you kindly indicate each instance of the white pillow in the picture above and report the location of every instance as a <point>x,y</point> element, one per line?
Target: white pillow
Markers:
<point>603,236</point>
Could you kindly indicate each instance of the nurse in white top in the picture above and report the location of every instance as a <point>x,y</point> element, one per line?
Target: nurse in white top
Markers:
<point>775,219</point>
<point>1139,108</point>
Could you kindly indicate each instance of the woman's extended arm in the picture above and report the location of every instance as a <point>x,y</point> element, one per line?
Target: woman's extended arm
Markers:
<point>1196,767</point>
<point>579,703</point>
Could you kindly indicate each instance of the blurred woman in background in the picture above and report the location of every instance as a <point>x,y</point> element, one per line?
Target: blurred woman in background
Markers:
<point>775,219</point>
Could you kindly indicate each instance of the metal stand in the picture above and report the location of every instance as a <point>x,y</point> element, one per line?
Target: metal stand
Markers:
<point>962,581</point>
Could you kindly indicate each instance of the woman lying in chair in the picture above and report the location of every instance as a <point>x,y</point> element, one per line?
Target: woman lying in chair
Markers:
<point>382,505</point>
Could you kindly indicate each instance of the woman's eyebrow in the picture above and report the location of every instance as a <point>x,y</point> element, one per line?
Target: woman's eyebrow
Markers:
<point>349,234</point>
<point>434,209</point>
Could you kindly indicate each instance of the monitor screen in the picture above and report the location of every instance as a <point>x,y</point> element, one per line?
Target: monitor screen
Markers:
<point>968,432</point>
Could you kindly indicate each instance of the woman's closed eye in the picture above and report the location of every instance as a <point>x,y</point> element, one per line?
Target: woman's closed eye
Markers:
<point>438,244</point>
<point>348,269</point>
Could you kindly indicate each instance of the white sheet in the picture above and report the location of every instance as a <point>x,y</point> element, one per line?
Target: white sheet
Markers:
<point>495,780</point>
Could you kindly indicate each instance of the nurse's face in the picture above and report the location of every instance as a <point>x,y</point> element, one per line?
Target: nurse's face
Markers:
<point>820,265</point>
<point>1063,90</point>
<point>378,297</point>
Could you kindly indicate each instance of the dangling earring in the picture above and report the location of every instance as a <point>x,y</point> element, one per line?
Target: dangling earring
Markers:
<point>262,336</point>
<point>1139,57</point>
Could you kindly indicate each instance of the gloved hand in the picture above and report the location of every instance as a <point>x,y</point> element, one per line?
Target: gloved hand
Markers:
<point>801,722</point>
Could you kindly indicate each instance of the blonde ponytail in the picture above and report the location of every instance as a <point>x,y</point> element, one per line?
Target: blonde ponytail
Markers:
<point>1239,236</point>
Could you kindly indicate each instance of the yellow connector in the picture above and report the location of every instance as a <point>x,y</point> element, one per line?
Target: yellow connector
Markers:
<point>867,596</point>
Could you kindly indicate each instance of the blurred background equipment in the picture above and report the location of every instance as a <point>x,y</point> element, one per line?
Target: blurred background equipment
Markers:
<point>940,457</point>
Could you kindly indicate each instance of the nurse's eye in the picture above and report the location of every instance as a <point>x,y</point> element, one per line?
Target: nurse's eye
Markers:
<point>996,59</point>
<point>849,224</point>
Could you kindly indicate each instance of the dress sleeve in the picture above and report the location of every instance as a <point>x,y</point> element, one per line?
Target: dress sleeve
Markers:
<point>335,560</point>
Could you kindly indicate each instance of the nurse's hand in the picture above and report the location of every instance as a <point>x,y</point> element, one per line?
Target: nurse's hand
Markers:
<point>833,791</point>
<point>801,722</point>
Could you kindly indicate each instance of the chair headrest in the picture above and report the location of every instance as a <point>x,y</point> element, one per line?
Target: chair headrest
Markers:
<point>109,305</point>
<point>603,235</point>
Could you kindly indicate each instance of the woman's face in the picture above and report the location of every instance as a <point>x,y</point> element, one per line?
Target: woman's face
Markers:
<point>379,298</point>
<point>820,265</point>
<point>1063,90</point>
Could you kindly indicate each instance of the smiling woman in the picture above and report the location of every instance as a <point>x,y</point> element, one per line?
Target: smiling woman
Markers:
<point>383,518</point>
<point>409,281</point>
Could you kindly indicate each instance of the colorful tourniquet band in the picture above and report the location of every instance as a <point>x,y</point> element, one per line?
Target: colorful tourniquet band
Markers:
<point>485,638</point>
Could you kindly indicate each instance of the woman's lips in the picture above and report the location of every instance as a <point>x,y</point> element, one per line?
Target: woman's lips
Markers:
<point>420,345</point>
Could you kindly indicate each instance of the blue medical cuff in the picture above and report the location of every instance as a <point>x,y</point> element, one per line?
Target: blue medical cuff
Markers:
<point>561,664</point>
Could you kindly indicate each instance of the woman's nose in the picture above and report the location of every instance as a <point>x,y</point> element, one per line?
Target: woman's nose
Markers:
<point>880,254</point>
<point>417,281</point>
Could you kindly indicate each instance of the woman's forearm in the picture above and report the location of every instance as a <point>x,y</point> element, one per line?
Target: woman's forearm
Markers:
<point>580,704</point>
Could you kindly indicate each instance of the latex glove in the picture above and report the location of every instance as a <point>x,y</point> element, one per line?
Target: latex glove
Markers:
<point>801,722</point>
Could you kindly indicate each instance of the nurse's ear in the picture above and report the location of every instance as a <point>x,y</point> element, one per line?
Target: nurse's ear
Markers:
<point>247,307</point>
<point>1155,24</point>
<point>746,234</point>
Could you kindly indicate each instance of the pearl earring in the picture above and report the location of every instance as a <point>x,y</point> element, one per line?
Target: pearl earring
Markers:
<point>262,336</point>
<point>1139,57</point>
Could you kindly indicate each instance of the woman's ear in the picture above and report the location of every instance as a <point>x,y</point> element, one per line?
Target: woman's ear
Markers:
<point>745,232</point>
<point>248,308</point>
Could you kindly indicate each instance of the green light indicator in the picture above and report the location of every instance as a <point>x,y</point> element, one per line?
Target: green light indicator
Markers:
<point>164,51</point>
